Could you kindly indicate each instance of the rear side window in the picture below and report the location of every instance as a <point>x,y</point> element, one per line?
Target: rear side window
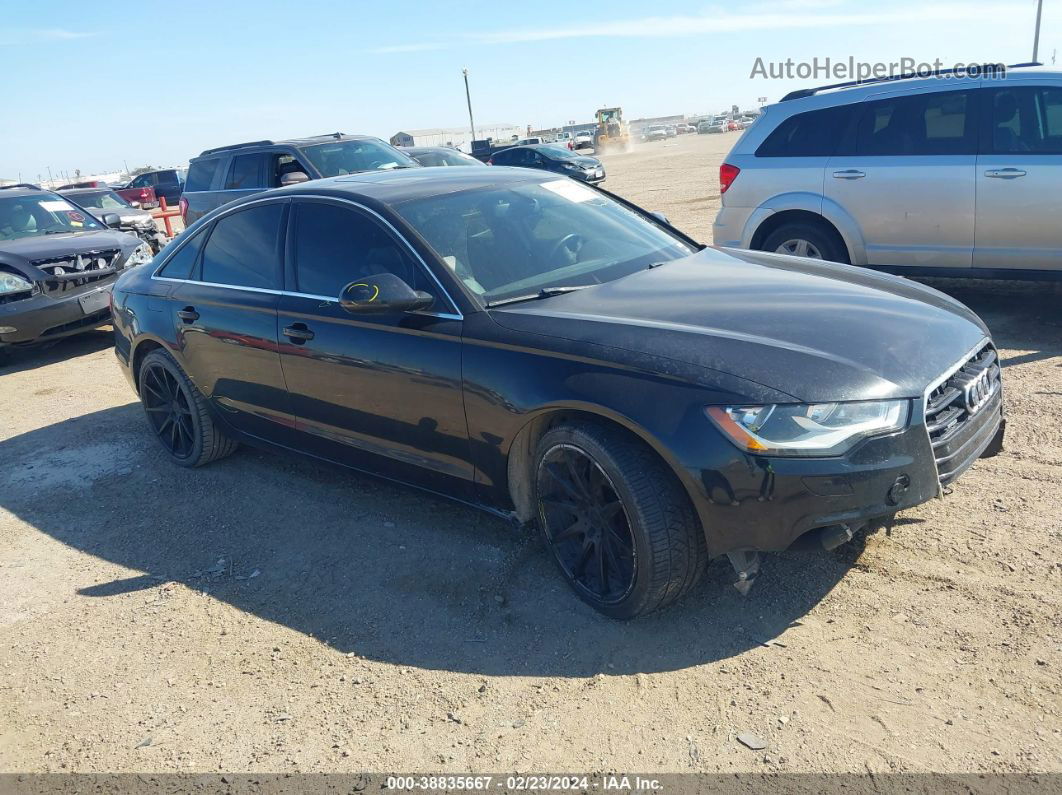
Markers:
<point>335,246</point>
<point>1025,119</point>
<point>180,265</point>
<point>917,124</point>
<point>201,174</point>
<point>167,177</point>
<point>244,248</point>
<point>812,134</point>
<point>246,172</point>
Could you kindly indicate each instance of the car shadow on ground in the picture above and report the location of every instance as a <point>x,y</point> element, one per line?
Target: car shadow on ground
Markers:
<point>363,565</point>
<point>18,359</point>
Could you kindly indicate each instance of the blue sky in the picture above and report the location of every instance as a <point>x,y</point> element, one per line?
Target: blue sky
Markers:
<point>87,93</point>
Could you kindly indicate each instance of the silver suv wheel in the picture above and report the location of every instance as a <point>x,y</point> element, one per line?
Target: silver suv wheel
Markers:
<point>799,248</point>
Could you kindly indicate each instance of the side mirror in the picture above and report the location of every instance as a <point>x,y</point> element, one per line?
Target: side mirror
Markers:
<point>382,293</point>
<point>660,217</point>
<point>293,178</point>
<point>112,220</point>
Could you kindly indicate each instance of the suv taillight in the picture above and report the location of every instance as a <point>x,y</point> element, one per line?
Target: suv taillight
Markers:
<point>182,205</point>
<point>727,175</point>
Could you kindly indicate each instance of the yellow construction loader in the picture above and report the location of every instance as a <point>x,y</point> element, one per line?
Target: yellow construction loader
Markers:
<point>613,134</point>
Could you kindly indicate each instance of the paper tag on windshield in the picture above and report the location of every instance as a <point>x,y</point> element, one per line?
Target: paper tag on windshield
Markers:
<point>570,190</point>
<point>55,206</point>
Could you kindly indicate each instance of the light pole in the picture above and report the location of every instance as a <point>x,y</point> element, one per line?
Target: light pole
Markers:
<point>1036,36</point>
<point>468,98</point>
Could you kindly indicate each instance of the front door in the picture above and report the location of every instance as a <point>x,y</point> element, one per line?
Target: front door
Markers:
<point>905,174</point>
<point>1019,174</point>
<point>378,392</point>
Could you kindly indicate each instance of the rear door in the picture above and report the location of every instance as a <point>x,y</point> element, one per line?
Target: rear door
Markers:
<point>1019,174</point>
<point>225,315</point>
<point>377,392</point>
<point>205,176</point>
<point>905,173</point>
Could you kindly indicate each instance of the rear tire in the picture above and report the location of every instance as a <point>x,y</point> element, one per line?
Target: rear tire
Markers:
<point>817,242</point>
<point>178,413</point>
<point>603,495</point>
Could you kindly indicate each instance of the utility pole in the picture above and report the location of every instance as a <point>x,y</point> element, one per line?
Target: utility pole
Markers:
<point>50,180</point>
<point>468,98</point>
<point>1036,36</point>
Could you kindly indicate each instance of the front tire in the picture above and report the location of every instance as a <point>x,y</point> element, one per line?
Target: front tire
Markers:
<point>619,525</point>
<point>178,413</point>
<point>806,240</point>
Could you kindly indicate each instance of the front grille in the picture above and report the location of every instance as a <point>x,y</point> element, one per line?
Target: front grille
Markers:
<point>963,413</point>
<point>71,272</point>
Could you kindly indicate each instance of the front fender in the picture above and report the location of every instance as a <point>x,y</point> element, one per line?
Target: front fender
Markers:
<point>816,204</point>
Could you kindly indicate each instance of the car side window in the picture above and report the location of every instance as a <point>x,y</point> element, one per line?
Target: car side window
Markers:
<point>245,173</point>
<point>181,264</point>
<point>201,174</point>
<point>167,177</point>
<point>336,245</point>
<point>815,133</point>
<point>143,181</point>
<point>1025,119</point>
<point>941,123</point>
<point>244,248</point>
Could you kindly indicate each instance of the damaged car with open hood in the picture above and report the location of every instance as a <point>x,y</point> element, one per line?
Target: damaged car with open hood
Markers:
<point>58,264</point>
<point>543,349</point>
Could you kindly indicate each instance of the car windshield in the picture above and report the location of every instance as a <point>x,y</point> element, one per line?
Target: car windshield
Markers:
<point>437,157</point>
<point>560,153</point>
<point>101,200</point>
<point>510,241</point>
<point>41,214</point>
<point>349,157</point>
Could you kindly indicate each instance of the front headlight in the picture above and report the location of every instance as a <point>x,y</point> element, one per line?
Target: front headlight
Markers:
<point>140,256</point>
<point>799,429</point>
<point>13,283</point>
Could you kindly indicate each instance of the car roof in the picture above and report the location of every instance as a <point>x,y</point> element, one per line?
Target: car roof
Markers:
<point>393,187</point>
<point>425,149</point>
<point>79,191</point>
<point>296,142</point>
<point>24,190</point>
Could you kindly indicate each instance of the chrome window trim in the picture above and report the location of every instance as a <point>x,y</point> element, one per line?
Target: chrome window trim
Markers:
<point>455,315</point>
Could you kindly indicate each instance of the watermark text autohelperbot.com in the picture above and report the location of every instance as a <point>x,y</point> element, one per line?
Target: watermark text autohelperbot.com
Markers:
<point>851,69</point>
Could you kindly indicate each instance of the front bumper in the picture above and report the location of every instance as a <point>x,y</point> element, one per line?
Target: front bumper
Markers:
<point>756,503</point>
<point>42,317</point>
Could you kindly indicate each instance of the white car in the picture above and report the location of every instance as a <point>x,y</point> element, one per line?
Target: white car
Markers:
<point>584,140</point>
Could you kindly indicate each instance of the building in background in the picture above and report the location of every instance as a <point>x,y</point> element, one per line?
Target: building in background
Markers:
<point>460,137</point>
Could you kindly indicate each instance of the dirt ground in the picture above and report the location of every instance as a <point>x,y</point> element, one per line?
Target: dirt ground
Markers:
<point>272,615</point>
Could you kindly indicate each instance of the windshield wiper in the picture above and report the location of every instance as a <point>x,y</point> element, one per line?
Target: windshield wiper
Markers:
<point>545,292</point>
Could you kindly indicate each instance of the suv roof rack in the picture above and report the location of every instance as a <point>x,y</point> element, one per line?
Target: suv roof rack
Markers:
<point>810,92</point>
<point>234,146</point>
<point>29,185</point>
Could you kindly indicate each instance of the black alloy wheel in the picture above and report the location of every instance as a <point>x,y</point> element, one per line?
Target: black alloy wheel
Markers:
<point>169,409</point>
<point>586,525</point>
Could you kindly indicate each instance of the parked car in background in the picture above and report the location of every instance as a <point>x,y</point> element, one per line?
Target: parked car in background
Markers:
<point>100,201</point>
<point>733,126</point>
<point>167,183</point>
<point>440,156</point>
<point>550,157</point>
<point>670,131</point>
<point>940,177</point>
<point>656,132</point>
<point>564,138</point>
<point>583,140</point>
<point>217,176</point>
<point>539,348</point>
<point>137,197</point>
<point>712,127</point>
<point>534,140</point>
<point>57,266</point>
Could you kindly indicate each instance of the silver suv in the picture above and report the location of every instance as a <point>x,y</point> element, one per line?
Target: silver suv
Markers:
<point>939,176</point>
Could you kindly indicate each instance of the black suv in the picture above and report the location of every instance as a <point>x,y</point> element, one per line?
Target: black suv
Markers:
<point>221,175</point>
<point>57,266</point>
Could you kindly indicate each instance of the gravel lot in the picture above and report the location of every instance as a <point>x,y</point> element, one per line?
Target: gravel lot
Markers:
<point>272,615</point>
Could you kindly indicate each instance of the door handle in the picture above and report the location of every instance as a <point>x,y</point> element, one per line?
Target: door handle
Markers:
<point>1005,173</point>
<point>849,173</point>
<point>298,333</point>
<point>188,314</point>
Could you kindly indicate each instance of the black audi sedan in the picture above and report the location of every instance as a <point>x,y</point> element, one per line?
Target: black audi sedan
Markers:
<point>552,353</point>
<point>551,157</point>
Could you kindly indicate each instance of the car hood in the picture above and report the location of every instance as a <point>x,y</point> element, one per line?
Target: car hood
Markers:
<point>45,246</point>
<point>585,162</point>
<point>816,331</point>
